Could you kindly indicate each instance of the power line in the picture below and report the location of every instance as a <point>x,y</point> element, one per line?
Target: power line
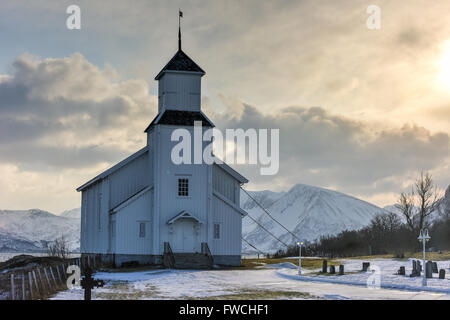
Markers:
<point>253,246</point>
<point>266,230</point>
<point>270,214</point>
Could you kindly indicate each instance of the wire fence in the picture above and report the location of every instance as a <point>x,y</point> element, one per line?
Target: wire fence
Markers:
<point>40,282</point>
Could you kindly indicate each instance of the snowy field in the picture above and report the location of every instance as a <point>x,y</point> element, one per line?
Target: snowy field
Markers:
<point>271,282</point>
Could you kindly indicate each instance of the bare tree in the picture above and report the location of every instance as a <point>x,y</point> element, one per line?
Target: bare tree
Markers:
<point>58,248</point>
<point>428,198</point>
<point>406,206</point>
<point>418,205</point>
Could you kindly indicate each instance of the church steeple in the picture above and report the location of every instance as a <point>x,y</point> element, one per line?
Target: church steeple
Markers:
<point>180,15</point>
<point>179,82</point>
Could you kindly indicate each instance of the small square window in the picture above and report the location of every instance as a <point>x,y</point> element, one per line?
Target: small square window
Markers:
<point>183,187</point>
<point>216,231</point>
<point>142,230</point>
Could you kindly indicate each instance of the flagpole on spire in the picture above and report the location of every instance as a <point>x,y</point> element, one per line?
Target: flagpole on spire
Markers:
<point>180,15</point>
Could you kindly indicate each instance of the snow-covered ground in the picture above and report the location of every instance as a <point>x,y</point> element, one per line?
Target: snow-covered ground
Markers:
<point>386,270</point>
<point>185,284</point>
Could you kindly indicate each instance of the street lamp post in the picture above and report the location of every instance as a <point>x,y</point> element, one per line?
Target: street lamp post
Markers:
<point>300,257</point>
<point>424,237</point>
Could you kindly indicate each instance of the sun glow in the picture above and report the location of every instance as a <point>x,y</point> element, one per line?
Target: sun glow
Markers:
<point>444,66</point>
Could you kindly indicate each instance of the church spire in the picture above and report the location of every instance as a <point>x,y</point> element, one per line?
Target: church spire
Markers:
<point>180,15</point>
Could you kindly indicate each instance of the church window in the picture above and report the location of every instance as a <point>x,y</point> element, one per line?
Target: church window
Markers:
<point>142,230</point>
<point>183,187</point>
<point>216,230</point>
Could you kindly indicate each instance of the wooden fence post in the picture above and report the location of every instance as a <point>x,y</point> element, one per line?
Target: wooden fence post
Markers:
<point>53,276</point>
<point>30,281</point>
<point>13,293</point>
<point>48,280</point>
<point>59,274</point>
<point>38,291</point>
<point>40,279</point>
<point>23,286</point>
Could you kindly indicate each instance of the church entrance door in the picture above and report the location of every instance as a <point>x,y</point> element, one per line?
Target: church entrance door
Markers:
<point>185,238</point>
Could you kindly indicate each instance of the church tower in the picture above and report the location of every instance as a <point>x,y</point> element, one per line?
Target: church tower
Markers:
<point>179,83</point>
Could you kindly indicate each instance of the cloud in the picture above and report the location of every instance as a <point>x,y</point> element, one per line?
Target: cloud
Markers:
<point>358,157</point>
<point>66,113</point>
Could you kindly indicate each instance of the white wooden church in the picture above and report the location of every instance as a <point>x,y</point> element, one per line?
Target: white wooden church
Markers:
<point>148,210</point>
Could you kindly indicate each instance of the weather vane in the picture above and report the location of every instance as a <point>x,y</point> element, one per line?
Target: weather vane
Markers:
<point>180,15</point>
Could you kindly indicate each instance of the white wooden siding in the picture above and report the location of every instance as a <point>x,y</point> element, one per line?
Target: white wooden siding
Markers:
<point>129,180</point>
<point>127,240</point>
<point>225,184</point>
<point>179,91</point>
<point>230,221</point>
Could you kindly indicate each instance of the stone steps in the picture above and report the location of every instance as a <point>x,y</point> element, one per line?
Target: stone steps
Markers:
<point>192,261</point>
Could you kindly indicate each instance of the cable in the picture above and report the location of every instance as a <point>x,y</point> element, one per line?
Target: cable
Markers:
<point>267,230</point>
<point>270,214</point>
<point>253,246</point>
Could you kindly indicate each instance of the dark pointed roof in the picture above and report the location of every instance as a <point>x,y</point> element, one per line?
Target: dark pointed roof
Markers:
<point>180,118</point>
<point>180,62</point>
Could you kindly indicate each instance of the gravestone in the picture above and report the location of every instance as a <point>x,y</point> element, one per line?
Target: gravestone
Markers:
<point>442,274</point>
<point>341,269</point>
<point>419,267</point>
<point>414,266</point>
<point>429,270</point>
<point>401,271</point>
<point>332,270</point>
<point>324,266</point>
<point>414,273</point>
<point>434,267</point>
<point>365,266</point>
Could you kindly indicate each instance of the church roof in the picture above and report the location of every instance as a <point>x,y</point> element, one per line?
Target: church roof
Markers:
<point>180,118</point>
<point>114,168</point>
<point>180,62</point>
<point>184,215</point>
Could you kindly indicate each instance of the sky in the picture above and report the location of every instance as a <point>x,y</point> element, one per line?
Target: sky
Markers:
<point>360,111</point>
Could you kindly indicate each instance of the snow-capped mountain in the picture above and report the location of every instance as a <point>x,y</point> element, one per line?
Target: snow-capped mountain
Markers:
<point>30,230</point>
<point>73,213</point>
<point>308,212</point>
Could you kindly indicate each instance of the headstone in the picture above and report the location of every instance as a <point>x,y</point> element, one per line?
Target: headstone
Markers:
<point>434,267</point>
<point>414,273</point>
<point>365,266</point>
<point>341,269</point>
<point>324,266</point>
<point>401,271</point>
<point>419,266</point>
<point>442,274</point>
<point>332,270</point>
<point>414,266</point>
<point>428,270</point>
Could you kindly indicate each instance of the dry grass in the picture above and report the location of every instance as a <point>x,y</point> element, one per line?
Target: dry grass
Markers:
<point>445,255</point>
<point>306,263</point>
<point>250,294</point>
<point>124,291</point>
